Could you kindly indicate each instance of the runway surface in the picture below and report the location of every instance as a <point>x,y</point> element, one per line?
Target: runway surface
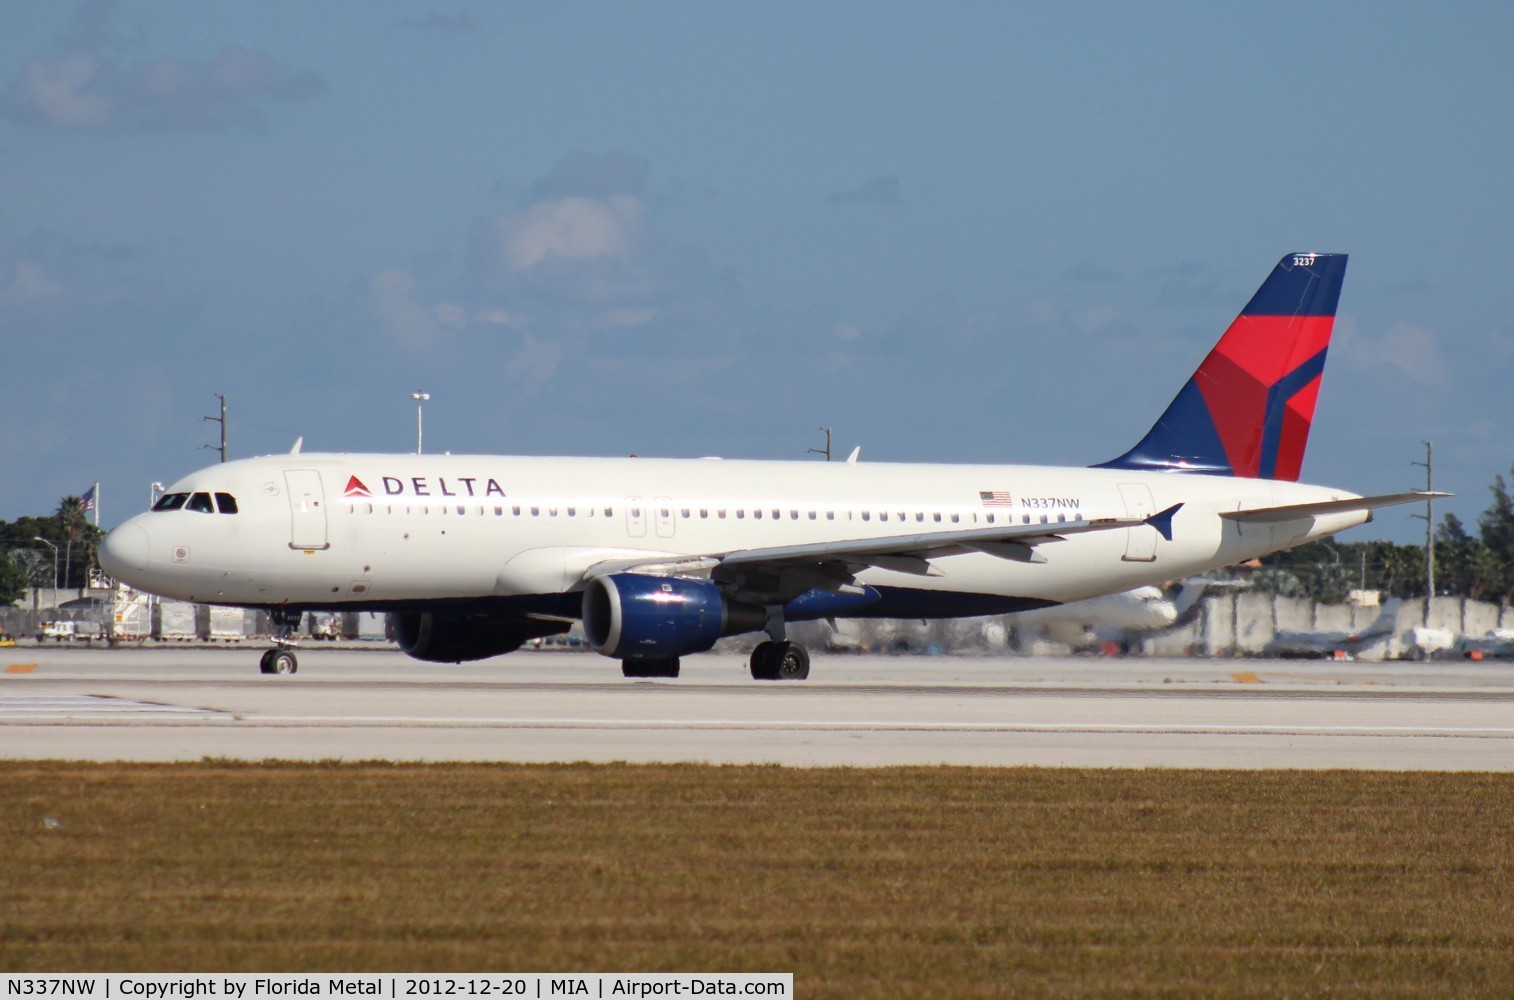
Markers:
<point>366,704</point>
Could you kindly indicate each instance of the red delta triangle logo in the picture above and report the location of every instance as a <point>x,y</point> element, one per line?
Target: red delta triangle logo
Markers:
<point>355,488</point>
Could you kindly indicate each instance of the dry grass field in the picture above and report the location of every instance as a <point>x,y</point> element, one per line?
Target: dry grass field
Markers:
<point>880,882</point>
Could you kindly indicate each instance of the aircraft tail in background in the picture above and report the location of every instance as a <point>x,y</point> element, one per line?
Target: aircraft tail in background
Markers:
<point>1248,408</point>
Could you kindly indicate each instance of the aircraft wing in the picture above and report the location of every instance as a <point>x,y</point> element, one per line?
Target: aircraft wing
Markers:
<point>1293,512</point>
<point>909,553</point>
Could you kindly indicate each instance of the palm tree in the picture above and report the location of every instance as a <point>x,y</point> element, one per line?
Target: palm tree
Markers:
<point>75,525</point>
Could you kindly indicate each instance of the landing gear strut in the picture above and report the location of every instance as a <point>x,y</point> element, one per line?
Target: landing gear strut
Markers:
<point>281,659</point>
<point>663,667</point>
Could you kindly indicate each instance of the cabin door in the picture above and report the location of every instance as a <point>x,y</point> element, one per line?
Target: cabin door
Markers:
<point>307,510</point>
<point>1140,540</point>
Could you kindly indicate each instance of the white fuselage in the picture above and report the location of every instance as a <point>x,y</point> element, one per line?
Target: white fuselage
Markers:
<point>382,531</point>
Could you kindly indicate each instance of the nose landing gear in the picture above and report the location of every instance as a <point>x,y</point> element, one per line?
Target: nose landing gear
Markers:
<point>281,659</point>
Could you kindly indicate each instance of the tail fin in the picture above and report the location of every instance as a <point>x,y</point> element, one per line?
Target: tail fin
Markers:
<point>1247,410</point>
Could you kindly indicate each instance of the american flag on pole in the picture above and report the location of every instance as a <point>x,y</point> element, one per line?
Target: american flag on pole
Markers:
<point>87,501</point>
<point>996,498</point>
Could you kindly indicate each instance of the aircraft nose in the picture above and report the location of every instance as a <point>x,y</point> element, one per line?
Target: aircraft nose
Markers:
<point>123,554</point>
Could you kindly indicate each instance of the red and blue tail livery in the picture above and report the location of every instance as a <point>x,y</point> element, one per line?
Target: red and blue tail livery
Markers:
<point>1246,412</point>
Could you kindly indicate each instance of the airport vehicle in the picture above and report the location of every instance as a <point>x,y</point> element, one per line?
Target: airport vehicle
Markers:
<point>474,555</point>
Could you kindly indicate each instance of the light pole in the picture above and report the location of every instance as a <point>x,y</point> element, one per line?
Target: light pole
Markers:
<point>153,492</point>
<point>420,401</point>
<point>39,538</point>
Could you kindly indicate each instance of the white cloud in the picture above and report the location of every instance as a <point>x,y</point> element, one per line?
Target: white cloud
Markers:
<point>31,281</point>
<point>1093,320</point>
<point>1413,350</point>
<point>58,91</point>
<point>86,88</point>
<point>573,228</point>
<point>392,302</point>
<point>450,315</point>
<point>614,318</point>
<point>501,317</point>
<point>536,360</point>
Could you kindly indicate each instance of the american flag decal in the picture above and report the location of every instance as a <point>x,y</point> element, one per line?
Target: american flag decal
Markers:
<point>996,498</point>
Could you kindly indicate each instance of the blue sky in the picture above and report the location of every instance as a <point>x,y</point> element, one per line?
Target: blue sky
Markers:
<point>966,232</point>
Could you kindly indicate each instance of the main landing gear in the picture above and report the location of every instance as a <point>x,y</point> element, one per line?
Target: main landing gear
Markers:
<point>281,659</point>
<point>663,667</point>
<point>780,661</point>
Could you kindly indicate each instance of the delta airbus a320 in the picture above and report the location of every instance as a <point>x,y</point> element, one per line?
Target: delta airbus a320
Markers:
<point>473,555</point>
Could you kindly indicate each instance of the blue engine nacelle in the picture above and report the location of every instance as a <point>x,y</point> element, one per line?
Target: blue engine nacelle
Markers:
<point>650,617</point>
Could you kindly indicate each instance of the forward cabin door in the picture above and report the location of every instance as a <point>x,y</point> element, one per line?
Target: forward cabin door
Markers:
<point>307,510</point>
<point>1141,540</point>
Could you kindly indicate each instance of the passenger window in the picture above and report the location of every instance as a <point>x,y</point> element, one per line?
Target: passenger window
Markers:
<point>938,517</point>
<point>812,515</point>
<point>200,502</point>
<point>757,514</point>
<point>536,512</point>
<point>572,511</point>
<point>866,516</point>
<point>955,518</point>
<point>226,503</point>
<point>919,515</point>
<point>170,501</point>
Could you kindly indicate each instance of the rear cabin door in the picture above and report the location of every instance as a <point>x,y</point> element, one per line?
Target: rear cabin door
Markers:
<point>1141,540</point>
<point>307,509</point>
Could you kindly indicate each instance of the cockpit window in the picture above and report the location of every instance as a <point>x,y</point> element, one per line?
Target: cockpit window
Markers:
<point>170,501</point>
<point>200,502</point>
<point>226,503</point>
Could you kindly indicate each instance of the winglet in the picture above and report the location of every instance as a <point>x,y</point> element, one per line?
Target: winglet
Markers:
<point>1163,521</point>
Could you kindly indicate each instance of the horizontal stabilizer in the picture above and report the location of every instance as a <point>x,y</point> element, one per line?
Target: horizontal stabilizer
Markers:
<point>1293,512</point>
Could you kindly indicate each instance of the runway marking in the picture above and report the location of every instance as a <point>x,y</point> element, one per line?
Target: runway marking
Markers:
<point>1246,677</point>
<point>863,725</point>
<point>23,706</point>
<point>20,668</point>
